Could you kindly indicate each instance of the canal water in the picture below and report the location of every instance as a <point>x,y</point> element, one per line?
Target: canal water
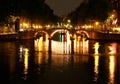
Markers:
<point>29,62</point>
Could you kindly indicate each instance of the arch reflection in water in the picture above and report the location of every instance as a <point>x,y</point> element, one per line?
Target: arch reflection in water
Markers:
<point>63,45</point>
<point>81,45</point>
<point>40,44</point>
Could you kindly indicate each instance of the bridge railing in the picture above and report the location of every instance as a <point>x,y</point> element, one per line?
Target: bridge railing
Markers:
<point>102,30</point>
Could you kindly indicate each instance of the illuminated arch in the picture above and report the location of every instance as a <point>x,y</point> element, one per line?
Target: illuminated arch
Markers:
<point>81,32</point>
<point>40,33</point>
<point>59,30</point>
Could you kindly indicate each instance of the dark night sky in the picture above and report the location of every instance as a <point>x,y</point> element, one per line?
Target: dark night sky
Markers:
<point>63,7</point>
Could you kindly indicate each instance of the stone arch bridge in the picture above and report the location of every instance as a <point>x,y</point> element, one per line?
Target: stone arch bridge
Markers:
<point>33,34</point>
<point>86,33</point>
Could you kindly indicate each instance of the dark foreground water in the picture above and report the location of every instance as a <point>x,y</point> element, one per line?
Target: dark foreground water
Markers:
<point>22,63</point>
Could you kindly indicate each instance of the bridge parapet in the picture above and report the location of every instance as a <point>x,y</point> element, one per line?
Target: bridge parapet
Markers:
<point>89,33</point>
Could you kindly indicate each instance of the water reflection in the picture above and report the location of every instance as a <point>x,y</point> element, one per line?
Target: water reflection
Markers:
<point>26,55</point>
<point>40,44</point>
<point>81,45</point>
<point>96,60</point>
<point>96,48</point>
<point>27,62</point>
<point>112,48</point>
<point>96,67</point>
<point>42,61</point>
<point>63,45</point>
<point>112,62</point>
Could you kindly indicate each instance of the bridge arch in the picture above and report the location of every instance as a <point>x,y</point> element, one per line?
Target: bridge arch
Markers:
<point>82,33</point>
<point>40,33</point>
<point>59,30</point>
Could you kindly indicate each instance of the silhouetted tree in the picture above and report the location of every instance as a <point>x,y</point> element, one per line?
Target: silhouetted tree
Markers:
<point>35,10</point>
<point>91,10</point>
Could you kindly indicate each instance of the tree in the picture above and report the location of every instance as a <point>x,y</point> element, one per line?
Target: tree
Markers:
<point>35,10</point>
<point>91,10</point>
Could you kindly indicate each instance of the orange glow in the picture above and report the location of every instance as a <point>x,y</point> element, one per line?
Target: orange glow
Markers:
<point>68,20</point>
<point>40,44</point>
<point>111,69</point>
<point>57,47</point>
<point>26,54</point>
<point>96,47</point>
<point>81,45</point>
<point>96,63</point>
<point>96,23</point>
<point>39,58</point>
<point>25,23</point>
<point>112,48</point>
<point>62,47</point>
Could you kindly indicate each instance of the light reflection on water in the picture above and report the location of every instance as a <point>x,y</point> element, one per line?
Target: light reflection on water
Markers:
<point>26,54</point>
<point>93,62</point>
<point>58,47</point>
<point>96,67</point>
<point>112,69</point>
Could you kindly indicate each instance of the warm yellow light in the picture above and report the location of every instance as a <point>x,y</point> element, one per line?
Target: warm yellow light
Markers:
<point>26,54</point>
<point>116,29</point>
<point>96,63</point>
<point>48,26</point>
<point>96,23</point>
<point>111,69</point>
<point>112,15</point>
<point>24,25</point>
<point>89,26</point>
<point>68,21</point>
<point>40,44</point>
<point>40,26</point>
<point>96,47</point>
<point>112,48</point>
